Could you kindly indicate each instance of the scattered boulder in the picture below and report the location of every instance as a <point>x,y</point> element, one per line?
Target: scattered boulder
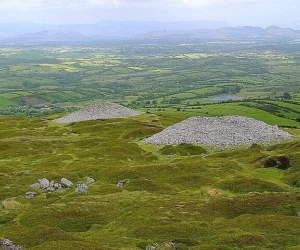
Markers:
<point>66,183</point>
<point>6,244</point>
<point>280,162</point>
<point>82,188</point>
<point>44,183</point>
<point>50,186</point>
<point>122,183</point>
<point>57,185</point>
<point>50,189</point>
<point>30,195</point>
<point>90,180</point>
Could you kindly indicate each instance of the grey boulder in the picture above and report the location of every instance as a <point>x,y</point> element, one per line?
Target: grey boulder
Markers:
<point>30,195</point>
<point>57,185</point>
<point>66,183</point>
<point>82,188</point>
<point>122,183</point>
<point>90,180</point>
<point>44,183</point>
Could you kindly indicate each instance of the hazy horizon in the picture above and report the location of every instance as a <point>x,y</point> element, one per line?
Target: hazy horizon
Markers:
<point>235,12</point>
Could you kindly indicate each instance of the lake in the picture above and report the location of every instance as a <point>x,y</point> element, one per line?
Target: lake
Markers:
<point>225,98</point>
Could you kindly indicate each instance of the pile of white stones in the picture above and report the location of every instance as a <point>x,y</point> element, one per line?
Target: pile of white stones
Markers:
<point>223,131</point>
<point>99,111</point>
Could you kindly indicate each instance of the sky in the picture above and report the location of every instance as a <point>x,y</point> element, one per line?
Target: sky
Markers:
<point>263,13</point>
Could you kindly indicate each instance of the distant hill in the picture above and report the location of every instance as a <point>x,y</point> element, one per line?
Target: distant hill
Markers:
<point>244,32</point>
<point>50,36</point>
<point>203,30</point>
<point>108,29</point>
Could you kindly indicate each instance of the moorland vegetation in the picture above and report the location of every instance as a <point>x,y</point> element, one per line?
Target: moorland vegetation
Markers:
<point>146,195</point>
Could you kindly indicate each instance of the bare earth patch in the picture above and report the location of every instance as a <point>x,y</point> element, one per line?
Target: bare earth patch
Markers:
<point>219,131</point>
<point>99,111</point>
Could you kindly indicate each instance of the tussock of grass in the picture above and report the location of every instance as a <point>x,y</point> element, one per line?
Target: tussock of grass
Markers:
<point>183,150</point>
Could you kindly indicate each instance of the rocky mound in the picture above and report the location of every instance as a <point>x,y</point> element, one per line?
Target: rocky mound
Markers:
<point>218,131</point>
<point>99,111</point>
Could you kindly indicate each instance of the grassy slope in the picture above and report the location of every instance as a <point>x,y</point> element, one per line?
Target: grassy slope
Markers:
<point>228,109</point>
<point>5,102</point>
<point>218,201</point>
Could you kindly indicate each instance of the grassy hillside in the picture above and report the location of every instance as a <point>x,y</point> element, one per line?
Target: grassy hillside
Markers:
<point>216,200</point>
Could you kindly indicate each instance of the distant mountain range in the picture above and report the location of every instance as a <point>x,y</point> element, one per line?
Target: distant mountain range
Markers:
<point>142,30</point>
<point>234,33</point>
<point>108,29</point>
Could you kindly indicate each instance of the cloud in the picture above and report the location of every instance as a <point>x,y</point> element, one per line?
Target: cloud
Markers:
<point>26,5</point>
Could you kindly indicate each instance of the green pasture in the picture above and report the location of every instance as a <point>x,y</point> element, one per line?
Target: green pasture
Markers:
<point>5,102</point>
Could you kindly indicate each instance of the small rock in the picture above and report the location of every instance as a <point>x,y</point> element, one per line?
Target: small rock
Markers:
<point>50,189</point>
<point>35,185</point>
<point>82,188</point>
<point>66,183</point>
<point>51,184</point>
<point>44,183</point>
<point>57,185</point>
<point>30,195</point>
<point>122,183</point>
<point>90,180</point>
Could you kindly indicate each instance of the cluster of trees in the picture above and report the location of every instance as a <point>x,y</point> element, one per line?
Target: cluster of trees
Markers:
<point>287,96</point>
<point>231,89</point>
<point>30,85</point>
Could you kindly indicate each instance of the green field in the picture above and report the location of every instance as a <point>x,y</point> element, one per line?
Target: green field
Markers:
<point>155,73</point>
